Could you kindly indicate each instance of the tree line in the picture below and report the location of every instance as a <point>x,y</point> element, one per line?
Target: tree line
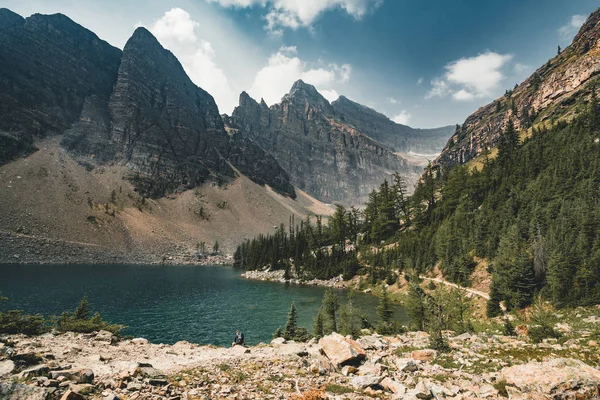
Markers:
<point>533,212</point>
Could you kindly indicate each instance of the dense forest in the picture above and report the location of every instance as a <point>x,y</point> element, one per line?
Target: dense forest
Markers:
<point>532,211</point>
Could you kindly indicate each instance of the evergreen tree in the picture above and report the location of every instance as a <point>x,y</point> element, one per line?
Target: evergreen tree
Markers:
<point>318,327</point>
<point>290,328</point>
<point>415,304</point>
<point>384,309</point>
<point>330,306</point>
<point>350,321</point>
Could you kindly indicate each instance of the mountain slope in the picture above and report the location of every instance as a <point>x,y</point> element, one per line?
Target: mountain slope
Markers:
<point>558,90</point>
<point>399,137</point>
<point>53,209</point>
<point>326,157</point>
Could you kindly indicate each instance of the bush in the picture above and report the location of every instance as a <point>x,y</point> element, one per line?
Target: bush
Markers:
<point>540,332</point>
<point>14,321</point>
<point>81,320</point>
<point>508,329</point>
<point>438,342</point>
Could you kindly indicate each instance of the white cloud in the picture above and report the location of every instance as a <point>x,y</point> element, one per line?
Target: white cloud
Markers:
<point>439,88</point>
<point>392,100</point>
<point>522,69</point>
<point>177,32</point>
<point>463,95</point>
<point>284,68</point>
<point>300,13</point>
<point>420,81</point>
<point>472,77</point>
<point>402,118</point>
<point>572,27</point>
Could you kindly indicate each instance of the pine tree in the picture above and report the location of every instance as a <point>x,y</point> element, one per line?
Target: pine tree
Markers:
<point>415,303</point>
<point>330,307</point>
<point>350,322</point>
<point>83,310</point>
<point>384,309</point>
<point>290,328</point>
<point>318,327</point>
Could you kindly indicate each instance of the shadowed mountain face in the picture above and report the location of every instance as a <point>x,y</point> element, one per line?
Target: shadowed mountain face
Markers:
<point>325,156</point>
<point>556,91</point>
<point>400,138</point>
<point>49,66</point>
<point>137,107</point>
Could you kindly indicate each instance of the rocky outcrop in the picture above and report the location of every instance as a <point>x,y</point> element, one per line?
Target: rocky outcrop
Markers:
<point>324,156</point>
<point>555,91</point>
<point>400,138</point>
<point>50,66</point>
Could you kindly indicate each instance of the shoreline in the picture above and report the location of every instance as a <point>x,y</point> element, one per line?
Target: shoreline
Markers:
<point>278,277</point>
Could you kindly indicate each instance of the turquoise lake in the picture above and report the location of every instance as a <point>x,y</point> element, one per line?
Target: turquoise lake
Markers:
<point>166,304</point>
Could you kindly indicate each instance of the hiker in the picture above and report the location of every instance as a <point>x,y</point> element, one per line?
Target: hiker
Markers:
<point>238,339</point>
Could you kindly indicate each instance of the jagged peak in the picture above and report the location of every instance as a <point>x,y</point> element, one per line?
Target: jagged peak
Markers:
<point>9,18</point>
<point>587,37</point>
<point>303,92</point>
<point>142,34</point>
<point>263,103</point>
<point>247,100</point>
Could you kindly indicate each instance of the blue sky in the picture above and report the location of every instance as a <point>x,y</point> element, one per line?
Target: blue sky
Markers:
<point>422,63</point>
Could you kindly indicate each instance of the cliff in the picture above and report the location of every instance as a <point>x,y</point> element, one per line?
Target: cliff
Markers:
<point>328,158</point>
<point>400,138</point>
<point>556,91</point>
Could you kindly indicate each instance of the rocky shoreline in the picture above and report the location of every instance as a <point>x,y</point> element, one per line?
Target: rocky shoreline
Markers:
<point>278,276</point>
<point>24,249</point>
<point>100,366</point>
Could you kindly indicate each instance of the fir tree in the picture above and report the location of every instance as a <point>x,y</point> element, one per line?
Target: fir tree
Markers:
<point>330,307</point>
<point>290,327</point>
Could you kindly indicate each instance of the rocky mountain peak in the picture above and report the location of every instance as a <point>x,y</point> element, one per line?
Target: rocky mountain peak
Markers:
<point>588,35</point>
<point>303,93</point>
<point>9,18</point>
<point>246,100</point>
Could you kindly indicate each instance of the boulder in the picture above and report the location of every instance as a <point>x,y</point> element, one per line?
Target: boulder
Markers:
<point>148,372</point>
<point>341,350</point>
<point>70,395</point>
<point>421,391</point>
<point>348,370</point>
<point>139,341</point>
<point>82,389</point>
<point>16,391</point>
<point>371,343</point>
<point>406,365</point>
<point>370,368</point>
<point>76,376</point>
<point>363,382</point>
<point>6,367</point>
<point>22,361</point>
<point>39,370</point>
<point>239,350</point>
<point>426,355</point>
<point>322,366</point>
<point>105,337</point>
<point>393,386</point>
<point>557,378</point>
<point>134,386</point>
<point>278,342</point>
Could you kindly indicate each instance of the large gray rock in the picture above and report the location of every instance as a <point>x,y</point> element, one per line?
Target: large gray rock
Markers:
<point>557,378</point>
<point>16,391</point>
<point>39,370</point>
<point>363,382</point>
<point>6,367</point>
<point>76,375</point>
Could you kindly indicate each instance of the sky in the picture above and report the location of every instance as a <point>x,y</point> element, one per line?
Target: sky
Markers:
<point>423,63</point>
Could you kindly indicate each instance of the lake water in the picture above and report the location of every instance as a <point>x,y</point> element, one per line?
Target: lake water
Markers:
<point>166,304</point>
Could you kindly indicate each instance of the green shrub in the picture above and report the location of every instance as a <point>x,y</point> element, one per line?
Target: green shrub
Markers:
<point>541,332</point>
<point>508,329</point>
<point>14,321</point>
<point>82,321</point>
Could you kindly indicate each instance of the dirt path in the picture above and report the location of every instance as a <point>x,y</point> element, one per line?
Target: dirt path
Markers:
<point>454,285</point>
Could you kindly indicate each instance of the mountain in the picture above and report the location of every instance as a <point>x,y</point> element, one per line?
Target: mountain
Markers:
<point>50,66</point>
<point>325,156</point>
<point>556,91</point>
<point>136,108</point>
<point>400,138</point>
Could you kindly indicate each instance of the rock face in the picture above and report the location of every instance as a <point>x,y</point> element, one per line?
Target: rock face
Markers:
<point>137,107</point>
<point>399,137</point>
<point>555,91</point>
<point>49,67</point>
<point>324,156</point>
<point>163,127</point>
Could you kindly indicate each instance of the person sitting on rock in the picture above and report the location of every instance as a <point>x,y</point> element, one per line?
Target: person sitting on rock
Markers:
<point>238,339</point>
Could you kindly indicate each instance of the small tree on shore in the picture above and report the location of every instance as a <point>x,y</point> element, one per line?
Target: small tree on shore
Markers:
<point>290,328</point>
<point>318,327</point>
<point>330,306</point>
